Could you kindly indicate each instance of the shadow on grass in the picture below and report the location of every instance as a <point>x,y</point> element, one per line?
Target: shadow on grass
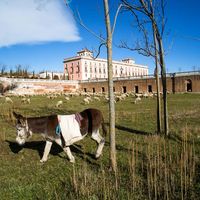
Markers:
<point>130,130</point>
<point>55,150</point>
<point>177,138</point>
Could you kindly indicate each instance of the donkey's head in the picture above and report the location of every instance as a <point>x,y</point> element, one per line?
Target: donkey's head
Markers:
<point>22,129</point>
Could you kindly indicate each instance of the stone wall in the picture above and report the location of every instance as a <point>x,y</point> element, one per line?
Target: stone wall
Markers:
<point>39,86</point>
<point>176,83</point>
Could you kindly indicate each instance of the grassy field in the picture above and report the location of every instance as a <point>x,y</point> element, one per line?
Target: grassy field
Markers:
<point>149,166</point>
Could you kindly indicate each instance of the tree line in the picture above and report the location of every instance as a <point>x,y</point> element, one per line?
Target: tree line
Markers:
<point>19,71</point>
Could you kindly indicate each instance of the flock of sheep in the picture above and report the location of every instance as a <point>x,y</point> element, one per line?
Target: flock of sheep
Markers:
<point>87,97</point>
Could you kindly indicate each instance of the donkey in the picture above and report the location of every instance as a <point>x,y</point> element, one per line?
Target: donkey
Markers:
<point>89,122</point>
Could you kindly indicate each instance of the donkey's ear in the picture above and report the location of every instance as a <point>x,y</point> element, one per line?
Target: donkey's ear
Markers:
<point>17,116</point>
<point>20,118</point>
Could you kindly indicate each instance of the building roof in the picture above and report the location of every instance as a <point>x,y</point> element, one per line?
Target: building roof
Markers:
<point>125,61</point>
<point>84,50</point>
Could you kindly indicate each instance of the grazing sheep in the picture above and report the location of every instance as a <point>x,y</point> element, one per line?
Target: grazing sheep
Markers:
<point>67,98</point>
<point>8,100</point>
<point>97,98</point>
<point>107,98</point>
<point>59,103</point>
<point>50,97</point>
<point>123,96</point>
<point>118,98</point>
<point>145,95</point>
<point>25,100</point>
<point>151,95</point>
<point>137,100</point>
<point>138,95</point>
<point>87,100</point>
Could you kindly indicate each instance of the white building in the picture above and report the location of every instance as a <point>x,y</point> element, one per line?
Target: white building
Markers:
<point>51,75</point>
<point>85,67</point>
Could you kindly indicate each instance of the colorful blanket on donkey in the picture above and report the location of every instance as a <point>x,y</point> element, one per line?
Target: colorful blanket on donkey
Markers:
<point>70,129</point>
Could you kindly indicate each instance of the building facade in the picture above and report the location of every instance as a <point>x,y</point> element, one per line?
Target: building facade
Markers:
<point>84,67</point>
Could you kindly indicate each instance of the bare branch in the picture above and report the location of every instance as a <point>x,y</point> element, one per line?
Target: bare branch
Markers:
<point>99,49</point>
<point>138,48</point>
<point>115,20</point>
<point>79,20</point>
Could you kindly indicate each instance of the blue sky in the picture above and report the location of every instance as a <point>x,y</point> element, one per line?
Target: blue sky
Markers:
<point>41,33</point>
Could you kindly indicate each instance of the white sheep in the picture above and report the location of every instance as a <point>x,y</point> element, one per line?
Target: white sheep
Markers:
<point>26,100</point>
<point>67,98</point>
<point>59,103</point>
<point>97,98</point>
<point>145,95</point>
<point>87,100</point>
<point>8,100</point>
<point>123,96</point>
<point>137,100</point>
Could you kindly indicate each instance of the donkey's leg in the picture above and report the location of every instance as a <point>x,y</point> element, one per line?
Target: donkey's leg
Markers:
<point>66,150</point>
<point>69,154</point>
<point>100,140</point>
<point>46,151</point>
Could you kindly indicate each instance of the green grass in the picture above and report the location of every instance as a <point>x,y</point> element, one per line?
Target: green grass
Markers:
<point>149,166</point>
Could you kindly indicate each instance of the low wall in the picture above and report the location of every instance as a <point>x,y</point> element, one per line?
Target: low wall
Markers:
<point>176,83</point>
<point>39,86</point>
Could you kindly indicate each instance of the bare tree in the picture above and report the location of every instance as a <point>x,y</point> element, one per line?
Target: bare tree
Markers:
<point>3,69</point>
<point>110,87</point>
<point>157,84</point>
<point>145,12</point>
<point>108,43</point>
<point>18,69</point>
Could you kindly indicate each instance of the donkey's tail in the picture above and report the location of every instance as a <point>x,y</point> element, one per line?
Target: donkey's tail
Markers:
<point>104,129</point>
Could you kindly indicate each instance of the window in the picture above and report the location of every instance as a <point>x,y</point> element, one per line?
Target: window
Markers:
<point>95,68</point>
<point>93,90</point>
<point>149,88</point>
<point>104,70</point>
<point>124,89</point>
<point>103,89</point>
<point>121,71</point>
<point>136,89</point>
<point>188,85</point>
<point>85,89</point>
<point>77,69</point>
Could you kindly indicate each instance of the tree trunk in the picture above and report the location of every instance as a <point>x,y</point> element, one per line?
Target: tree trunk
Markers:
<point>110,89</point>
<point>164,83</point>
<point>157,82</point>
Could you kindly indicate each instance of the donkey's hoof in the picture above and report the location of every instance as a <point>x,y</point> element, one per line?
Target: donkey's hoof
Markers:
<point>43,160</point>
<point>97,156</point>
<point>72,160</point>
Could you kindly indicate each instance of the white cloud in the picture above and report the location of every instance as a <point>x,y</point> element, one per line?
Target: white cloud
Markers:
<point>35,21</point>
